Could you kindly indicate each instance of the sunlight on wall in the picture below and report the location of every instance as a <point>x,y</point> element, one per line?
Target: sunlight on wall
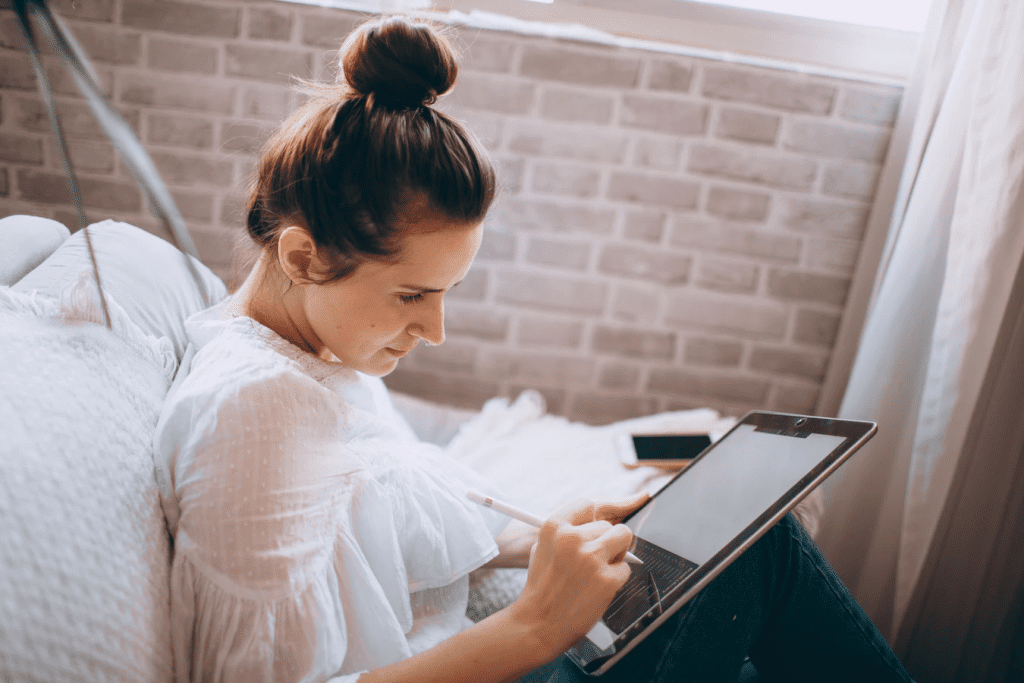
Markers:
<point>904,15</point>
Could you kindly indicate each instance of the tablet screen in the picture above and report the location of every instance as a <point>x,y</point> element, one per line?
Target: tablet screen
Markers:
<point>697,514</point>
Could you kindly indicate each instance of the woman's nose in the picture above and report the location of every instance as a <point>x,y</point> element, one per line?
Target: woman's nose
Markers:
<point>430,327</point>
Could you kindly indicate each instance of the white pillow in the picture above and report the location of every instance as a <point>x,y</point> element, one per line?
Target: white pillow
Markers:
<point>27,241</point>
<point>145,274</point>
<point>84,550</point>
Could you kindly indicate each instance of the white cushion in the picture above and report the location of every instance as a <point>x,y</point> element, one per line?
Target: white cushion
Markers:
<point>84,551</point>
<point>27,241</point>
<point>145,274</point>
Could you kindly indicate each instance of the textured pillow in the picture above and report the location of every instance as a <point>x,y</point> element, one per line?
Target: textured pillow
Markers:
<point>142,272</point>
<point>84,551</point>
<point>27,241</point>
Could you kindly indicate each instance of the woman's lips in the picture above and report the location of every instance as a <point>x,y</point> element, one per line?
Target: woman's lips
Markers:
<point>397,353</point>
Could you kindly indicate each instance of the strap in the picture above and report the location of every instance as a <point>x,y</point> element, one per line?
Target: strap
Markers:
<point>124,139</point>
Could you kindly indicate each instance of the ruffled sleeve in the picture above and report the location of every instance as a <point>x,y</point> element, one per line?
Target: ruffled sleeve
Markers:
<point>311,539</point>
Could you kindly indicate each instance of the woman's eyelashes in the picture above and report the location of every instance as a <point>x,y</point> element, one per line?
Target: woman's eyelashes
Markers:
<point>410,298</point>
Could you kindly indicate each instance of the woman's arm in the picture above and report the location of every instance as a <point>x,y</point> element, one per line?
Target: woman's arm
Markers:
<point>576,567</point>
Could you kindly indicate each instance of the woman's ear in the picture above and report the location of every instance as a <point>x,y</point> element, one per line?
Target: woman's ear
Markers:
<point>296,252</point>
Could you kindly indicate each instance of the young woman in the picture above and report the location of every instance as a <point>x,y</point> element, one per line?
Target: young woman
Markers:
<point>315,537</point>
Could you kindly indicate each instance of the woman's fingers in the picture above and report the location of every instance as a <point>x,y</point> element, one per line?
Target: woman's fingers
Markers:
<point>612,545</point>
<point>615,510</point>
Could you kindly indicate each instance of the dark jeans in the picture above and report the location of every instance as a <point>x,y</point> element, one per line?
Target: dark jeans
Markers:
<point>781,603</point>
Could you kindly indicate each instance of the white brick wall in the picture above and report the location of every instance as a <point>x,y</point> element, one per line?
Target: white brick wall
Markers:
<point>672,231</point>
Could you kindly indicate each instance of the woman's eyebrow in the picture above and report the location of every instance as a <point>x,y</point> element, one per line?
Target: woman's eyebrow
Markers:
<point>425,290</point>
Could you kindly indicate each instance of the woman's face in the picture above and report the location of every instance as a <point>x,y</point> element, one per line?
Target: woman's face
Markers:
<point>372,318</point>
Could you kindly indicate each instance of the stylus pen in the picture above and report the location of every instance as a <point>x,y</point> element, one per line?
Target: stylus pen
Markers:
<point>525,517</point>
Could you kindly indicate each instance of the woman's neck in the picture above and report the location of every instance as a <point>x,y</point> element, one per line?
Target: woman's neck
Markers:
<point>262,298</point>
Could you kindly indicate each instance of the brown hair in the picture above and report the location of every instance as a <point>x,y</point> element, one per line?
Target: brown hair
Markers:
<point>357,152</point>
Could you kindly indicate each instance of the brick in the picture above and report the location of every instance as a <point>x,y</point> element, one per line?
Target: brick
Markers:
<point>180,131</point>
<point>194,206</point>
<point>635,305</point>
<point>831,219</point>
<point>870,106</point>
<point>660,266</point>
<point>215,247</point>
<point>549,331</point>
<point>511,174</point>
<point>575,106</point>
<point>722,387</point>
<point>462,392</point>
<point>267,63</point>
<point>52,188</point>
<point>837,255</point>
<point>738,204</point>
<point>559,253</point>
<point>727,276</point>
<point>800,286</point>
<point>487,127</point>
<point>634,343</point>
<point>452,356</point>
<point>579,68</point>
<point>747,126</point>
<point>266,23</point>
<point>473,321</point>
<point>76,119</point>
<point>735,240</point>
<point>547,370</point>
<point>657,154</point>
<point>572,181</point>
<point>179,17</point>
<point>265,103</point>
<point>644,226</point>
<point>190,169</point>
<point>553,292</point>
<point>554,399</point>
<point>665,115</point>
<point>653,190</point>
<point>233,210</point>
<point>797,399</point>
<point>92,156</point>
<point>493,93</point>
<point>94,10</point>
<point>179,93</point>
<point>21,149</point>
<point>789,362</point>
<point>488,53</point>
<point>5,183</point>
<point>855,181</point>
<point>669,75</point>
<point>836,140</point>
<point>329,30</point>
<point>558,218</point>
<point>762,87</point>
<point>111,46</point>
<point>600,409</point>
<point>773,170</point>
<point>472,287</point>
<point>243,136</point>
<point>719,352</point>
<point>179,55</point>
<point>568,143</point>
<point>816,327</point>
<point>744,318</point>
<point>63,83</point>
<point>16,72</point>
<point>618,376</point>
<point>497,246</point>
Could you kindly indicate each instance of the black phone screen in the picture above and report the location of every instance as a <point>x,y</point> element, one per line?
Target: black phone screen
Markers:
<point>670,446</point>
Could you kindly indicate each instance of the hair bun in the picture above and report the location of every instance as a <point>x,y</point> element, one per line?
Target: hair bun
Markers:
<point>400,62</point>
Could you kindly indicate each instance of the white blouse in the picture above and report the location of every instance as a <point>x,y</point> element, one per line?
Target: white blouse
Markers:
<point>314,537</point>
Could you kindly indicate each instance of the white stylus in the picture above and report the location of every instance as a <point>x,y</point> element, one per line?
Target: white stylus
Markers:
<point>525,517</point>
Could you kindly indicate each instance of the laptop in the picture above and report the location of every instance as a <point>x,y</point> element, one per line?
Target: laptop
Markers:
<point>695,526</point>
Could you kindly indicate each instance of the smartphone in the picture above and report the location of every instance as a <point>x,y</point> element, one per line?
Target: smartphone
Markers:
<point>669,451</point>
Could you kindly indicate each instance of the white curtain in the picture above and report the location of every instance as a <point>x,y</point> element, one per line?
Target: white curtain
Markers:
<point>951,255</point>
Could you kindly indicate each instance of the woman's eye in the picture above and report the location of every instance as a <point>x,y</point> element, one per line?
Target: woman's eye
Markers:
<point>410,298</point>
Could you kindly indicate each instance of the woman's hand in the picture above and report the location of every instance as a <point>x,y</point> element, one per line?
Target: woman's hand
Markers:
<point>575,569</point>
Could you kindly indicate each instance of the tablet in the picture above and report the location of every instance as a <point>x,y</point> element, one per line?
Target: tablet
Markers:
<point>708,514</point>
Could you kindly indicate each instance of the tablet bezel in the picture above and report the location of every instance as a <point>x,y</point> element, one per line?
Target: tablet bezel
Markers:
<point>855,433</point>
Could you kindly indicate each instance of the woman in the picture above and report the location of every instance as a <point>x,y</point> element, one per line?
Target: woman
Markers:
<point>314,535</point>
